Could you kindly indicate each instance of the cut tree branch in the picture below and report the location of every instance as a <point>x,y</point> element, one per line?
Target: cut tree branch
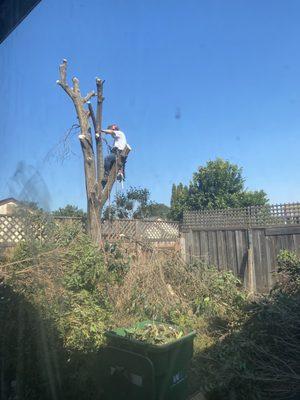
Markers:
<point>99,147</point>
<point>76,89</point>
<point>63,79</point>
<point>89,96</point>
<point>92,115</point>
<point>63,71</point>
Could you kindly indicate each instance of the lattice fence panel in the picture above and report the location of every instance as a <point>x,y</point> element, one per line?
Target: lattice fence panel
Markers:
<point>118,228</point>
<point>15,228</point>
<point>158,230</point>
<point>255,216</point>
<point>11,230</point>
<point>141,230</point>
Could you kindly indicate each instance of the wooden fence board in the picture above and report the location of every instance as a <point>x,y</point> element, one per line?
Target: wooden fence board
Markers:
<point>196,245</point>
<point>284,230</point>
<point>222,238</point>
<point>204,246</point>
<point>231,251</point>
<point>262,267</point>
<point>228,249</point>
<point>212,248</point>
<point>221,248</point>
<point>296,243</point>
<point>240,253</point>
<point>271,258</point>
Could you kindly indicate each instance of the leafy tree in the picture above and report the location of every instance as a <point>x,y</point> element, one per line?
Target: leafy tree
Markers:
<point>135,203</point>
<point>157,210</point>
<point>120,208</point>
<point>254,198</point>
<point>218,184</point>
<point>179,201</point>
<point>141,200</point>
<point>69,211</point>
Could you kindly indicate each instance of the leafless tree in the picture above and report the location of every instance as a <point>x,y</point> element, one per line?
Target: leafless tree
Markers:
<point>93,159</point>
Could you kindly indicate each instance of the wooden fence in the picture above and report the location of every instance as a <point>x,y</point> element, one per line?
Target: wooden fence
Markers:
<point>13,229</point>
<point>245,241</point>
<point>255,216</point>
<point>148,230</point>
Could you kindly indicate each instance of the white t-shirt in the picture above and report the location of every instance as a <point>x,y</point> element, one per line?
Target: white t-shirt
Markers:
<point>119,140</point>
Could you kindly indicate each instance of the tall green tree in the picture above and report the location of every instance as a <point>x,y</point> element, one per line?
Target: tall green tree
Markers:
<point>179,201</point>
<point>218,184</point>
<point>135,203</point>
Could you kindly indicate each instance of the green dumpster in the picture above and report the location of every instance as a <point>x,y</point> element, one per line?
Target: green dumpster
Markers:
<point>138,370</point>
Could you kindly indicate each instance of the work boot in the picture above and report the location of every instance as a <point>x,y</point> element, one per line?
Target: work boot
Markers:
<point>120,176</point>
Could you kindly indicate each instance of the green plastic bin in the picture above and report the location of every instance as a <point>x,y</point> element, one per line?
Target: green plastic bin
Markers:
<point>138,370</point>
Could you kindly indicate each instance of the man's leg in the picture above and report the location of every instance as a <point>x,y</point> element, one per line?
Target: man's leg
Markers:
<point>124,159</point>
<point>108,163</point>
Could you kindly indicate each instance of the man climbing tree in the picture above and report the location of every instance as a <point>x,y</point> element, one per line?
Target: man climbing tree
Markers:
<point>119,145</point>
<point>93,162</point>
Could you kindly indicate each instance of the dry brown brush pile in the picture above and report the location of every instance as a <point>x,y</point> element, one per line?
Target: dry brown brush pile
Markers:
<point>260,360</point>
<point>67,292</point>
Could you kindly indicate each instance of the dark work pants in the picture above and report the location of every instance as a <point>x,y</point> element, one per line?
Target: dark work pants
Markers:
<point>110,160</point>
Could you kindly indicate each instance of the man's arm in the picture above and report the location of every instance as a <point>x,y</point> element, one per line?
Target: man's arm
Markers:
<point>108,131</point>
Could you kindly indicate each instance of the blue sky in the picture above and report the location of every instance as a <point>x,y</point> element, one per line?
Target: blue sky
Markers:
<point>230,68</point>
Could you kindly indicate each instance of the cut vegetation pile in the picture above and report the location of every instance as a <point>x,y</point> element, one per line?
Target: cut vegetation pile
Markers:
<point>59,296</point>
<point>154,333</point>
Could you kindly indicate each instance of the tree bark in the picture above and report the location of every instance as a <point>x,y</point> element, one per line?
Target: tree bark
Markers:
<point>91,184</point>
<point>100,163</point>
<point>93,165</point>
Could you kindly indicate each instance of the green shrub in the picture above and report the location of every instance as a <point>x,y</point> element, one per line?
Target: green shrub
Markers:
<point>82,322</point>
<point>118,263</point>
<point>85,265</point>
<point>74,291</point>
<point>63,287</point>
<point>260,359</point>
<point>219,293</point>
<point>288,273</point>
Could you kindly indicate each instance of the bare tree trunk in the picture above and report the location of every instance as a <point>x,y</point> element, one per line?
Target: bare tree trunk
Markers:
<point>100,163</point>
<point>91,184</point>
<point>93,166</point>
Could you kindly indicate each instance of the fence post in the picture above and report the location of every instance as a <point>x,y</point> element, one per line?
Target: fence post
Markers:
<point>189,237</point>
<point>250,282</point>
<point>182,246</point>
<point>136,230</point>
